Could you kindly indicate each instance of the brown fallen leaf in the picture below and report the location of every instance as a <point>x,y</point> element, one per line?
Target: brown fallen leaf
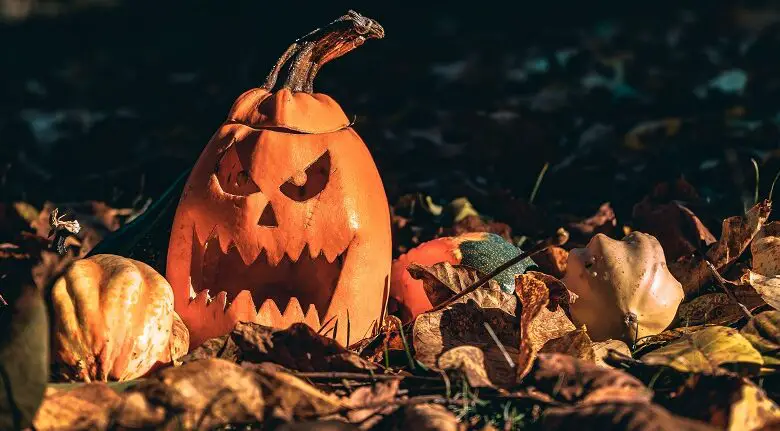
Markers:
<point>763,332</point>
<point>323,425</point>
<point>475,223</point>
<point>429,417</point>
<point>725,401</point>
<point>541,319</point>
<point>197,395</point>
<point>675,226</point>
<point>368,404</point>
<point>576,343</point>
<point>647,344</point>
<point>767,287</point>
<point>552,260</point>
<point>765,250</point>
<point>470,361</point>
<point>463,323</point>
<point>636,416</point>
<point>443,280</point>
<point>717,308</point>
<point>706,351</point>
<point>86,407</point>
<point>289,398</point>
<point>298,347</point>
<point>604,221</point>
<point>569,380</point>
<point>737,233</point>
<point>602,348</point>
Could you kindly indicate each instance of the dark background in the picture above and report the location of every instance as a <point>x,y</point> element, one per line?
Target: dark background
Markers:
<point>111,100</point>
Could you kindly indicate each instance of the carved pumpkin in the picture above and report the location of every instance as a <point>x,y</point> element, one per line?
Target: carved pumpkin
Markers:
<point>284,217</point>
<point>113,319</point>
<point>479,250</point>
<point>624,288</point>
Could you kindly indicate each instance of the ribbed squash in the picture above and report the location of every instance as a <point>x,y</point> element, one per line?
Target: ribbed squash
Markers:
<point>113,320</point>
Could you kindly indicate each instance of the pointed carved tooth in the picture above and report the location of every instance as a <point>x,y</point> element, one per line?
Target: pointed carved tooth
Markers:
<point>295,249</point>
<point>219,303</point>
<point>242,307</point>
<point>204,233</point>
<point>269,314</point>
<point>248,252</point>
<point>312,318</point>
<point>330,256</point>
<point>275,255</point>
<point>293,313</point>
<point>201,298</point>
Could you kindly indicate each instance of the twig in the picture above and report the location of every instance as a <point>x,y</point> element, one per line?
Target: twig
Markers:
<point>500,345</point>
<point>721,282</point>
<point>337,375</point>
<point>560,238</point>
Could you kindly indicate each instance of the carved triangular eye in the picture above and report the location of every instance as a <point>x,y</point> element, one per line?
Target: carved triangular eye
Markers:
<point>309,183</point>
<point>232,176</point>
<point>268,217</point>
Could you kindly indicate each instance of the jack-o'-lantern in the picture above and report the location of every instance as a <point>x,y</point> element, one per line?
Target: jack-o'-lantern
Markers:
<point>284,217</point>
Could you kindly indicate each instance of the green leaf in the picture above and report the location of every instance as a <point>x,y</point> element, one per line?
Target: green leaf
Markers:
<point>763,332</point>
<point>706,351</point>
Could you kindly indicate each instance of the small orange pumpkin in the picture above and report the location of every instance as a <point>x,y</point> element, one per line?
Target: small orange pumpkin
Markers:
<point>285,209</point>
<point>113,320</point>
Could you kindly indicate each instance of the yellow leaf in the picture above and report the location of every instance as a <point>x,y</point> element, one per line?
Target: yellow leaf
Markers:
<point>706,351</point>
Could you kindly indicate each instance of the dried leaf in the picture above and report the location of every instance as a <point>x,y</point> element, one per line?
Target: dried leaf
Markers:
<point>602,348</point>
<point>198,395</point>
<point>767,287</point>
<point>289,398</point>
<point>604,221</point>
<point>636,416</point>
<point>576,343</point>
<point>763,332</point>
<point>469,360</point>
<point>737,233</point>
<point>539,322</point>
<point>676,227</point>
<point>429,417</point>
<point>705,351</point>
<point>86,407</point>
<point>569,380</point>
<point>725,401</point>
<point>372,402</point>
<point>298,347</point>
<point>475,223</point>
<point>553,261</point>
<point>765,250</point>
<point>717,308</point>
<point>443,280</point>
<point>647,344</point>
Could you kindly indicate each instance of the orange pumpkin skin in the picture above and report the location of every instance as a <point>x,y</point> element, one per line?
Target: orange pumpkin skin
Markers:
<point>283,219</point>
<point>113,320</point>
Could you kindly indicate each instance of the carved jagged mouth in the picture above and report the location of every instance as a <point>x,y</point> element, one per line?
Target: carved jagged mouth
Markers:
<point>291,290</point>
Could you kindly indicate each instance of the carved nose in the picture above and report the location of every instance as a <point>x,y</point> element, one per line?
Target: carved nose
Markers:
<point>268,217</point>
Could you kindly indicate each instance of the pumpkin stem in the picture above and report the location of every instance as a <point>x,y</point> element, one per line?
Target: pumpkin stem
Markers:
<point>321,46</point>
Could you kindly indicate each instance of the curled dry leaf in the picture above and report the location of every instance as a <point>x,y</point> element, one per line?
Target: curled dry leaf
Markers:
<point>763,332</point>
<point>725,401</point>
<point>443,280</point>
<point>604,221</point>
<point>635,416</point>
<point>737,233</point>
<point>647,344</point>
<point>767,287</point>
<point>541,320</point>
<point>368,404</point>
<point>765,250</point>
<point>552,260</point>
<point>676,227</point>
<point>469,360</point>
<point>429,417</point>
<point>86,407</point>
<point>197,395</point>
<point>718,308</point>
<point>297,347</point>
<point>602,348</point>
<point>706,351</point>
<point>289,398</point>
<point>569,380</point>
<point>576,343</point>
<point>463,323</point>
